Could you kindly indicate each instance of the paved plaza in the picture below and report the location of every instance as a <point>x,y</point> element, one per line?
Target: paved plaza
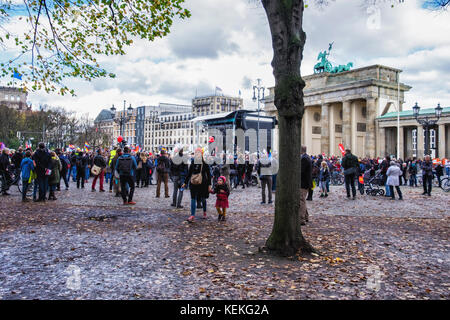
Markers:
<point>87,245</point>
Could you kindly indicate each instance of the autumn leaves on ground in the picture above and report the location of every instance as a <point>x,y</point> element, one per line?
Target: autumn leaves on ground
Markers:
<point>371,248</point>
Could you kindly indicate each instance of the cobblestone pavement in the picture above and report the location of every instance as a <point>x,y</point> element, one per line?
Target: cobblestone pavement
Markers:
<point>87,245</point>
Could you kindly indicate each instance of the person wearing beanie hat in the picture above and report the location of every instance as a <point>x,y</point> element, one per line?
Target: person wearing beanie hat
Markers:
<point>222,192</point>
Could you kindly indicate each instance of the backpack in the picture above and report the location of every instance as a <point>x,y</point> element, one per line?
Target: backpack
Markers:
<point>124,166</point>
<point>161,166</point>
<point>79,162</point>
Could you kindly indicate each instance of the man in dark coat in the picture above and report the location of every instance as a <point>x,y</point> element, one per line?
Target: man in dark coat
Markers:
<point>305,184</point>
<point>163,169</point>
<point>17,160</point>
<point>427,175</point>
<point>4,173</point>
<point>81,163</point>
<point>350,165</point>
<point>42,163</point>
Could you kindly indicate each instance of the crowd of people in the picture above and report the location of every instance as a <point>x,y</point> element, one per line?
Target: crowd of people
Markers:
<point>124,170</point>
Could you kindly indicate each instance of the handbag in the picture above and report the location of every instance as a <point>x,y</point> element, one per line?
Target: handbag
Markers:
<point>348,171</point>
<point>96,170</point>
<point>196,179</point>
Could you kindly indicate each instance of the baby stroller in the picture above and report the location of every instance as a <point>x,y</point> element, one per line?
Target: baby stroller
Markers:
<point>373,183</point>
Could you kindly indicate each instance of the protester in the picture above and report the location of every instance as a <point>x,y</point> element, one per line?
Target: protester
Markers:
<point>199,178</point>
<point>324,176</point>
<point>26,167</point>
<point>179,171</point>
<point>126,168</point>
<point>16,160</point>
<point>163,168</point>
<point>439,172</point>
<point>222,193</point>
<point>65,165</point>
<point>427,175</point>
<point>305,184</point>
<point>350,165</point>
<point>4,171</point>
<point>98,165</point>
<point>81,163</point>
<point>412,170</point>
<point>265,174</point>
<point>393,179</point>
<point>384,167</point>
<point>43,166</point>
<point>55,175</point>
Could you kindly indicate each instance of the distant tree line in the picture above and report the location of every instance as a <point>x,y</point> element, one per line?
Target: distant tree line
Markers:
<point>55,126</point>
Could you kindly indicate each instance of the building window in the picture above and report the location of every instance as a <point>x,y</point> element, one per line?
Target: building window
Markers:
<point>338,128</point>
<point>316,116</point>
<point>316,130</point>
<point>361,127</point>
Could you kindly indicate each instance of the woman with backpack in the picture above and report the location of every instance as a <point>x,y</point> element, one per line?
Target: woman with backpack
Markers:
<point>199,178</point>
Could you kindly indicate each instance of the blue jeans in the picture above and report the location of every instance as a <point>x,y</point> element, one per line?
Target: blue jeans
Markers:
<point>447,170</point>
<point>388,191</point>
<point>73,172</point>
<point>88,171</point>
<point>274,182</point>
<point>42,181</point>
<point>25,186</point>
<point>413,180</point>
<point>107,177</point>
<point>194,205</point>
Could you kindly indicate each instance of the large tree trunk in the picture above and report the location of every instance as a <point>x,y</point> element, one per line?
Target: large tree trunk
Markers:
<point>288,39</point>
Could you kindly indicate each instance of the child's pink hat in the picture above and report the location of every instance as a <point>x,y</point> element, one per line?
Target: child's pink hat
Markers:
<point>223,178</point>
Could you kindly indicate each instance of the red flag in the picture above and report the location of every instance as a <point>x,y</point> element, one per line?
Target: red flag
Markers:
<point>341,147</point>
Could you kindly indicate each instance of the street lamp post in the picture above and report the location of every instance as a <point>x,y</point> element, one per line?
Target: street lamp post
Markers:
<point>258,88</point>
<point>427,123</point>
<point>122,119</point>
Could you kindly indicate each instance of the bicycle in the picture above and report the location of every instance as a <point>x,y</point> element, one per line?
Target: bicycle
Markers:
<point>337,179</point>
<point>445,184</point>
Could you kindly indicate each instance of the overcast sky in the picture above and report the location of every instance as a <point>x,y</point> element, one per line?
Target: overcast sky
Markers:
<point>227,43</point>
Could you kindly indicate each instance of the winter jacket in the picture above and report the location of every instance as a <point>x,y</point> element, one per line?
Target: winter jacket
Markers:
<point>393,173</point>
<point>166,161</point>
<point>17,159</point>
<point>43,161</point>
<point>26,166</point>
<point>427,168</point>
<point>350,161</point>
<point>324,175</point>
<point>55,176</point>
<point>306,172</point>
<point>99,161</point>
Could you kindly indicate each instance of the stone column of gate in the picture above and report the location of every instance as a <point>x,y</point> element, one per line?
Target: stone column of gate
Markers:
<point>370,144</point>
<point>381,142</point>
<point>325,132</point>
<point>420,142</point>
<point>346,124</point>
<point>332,128</point>
<point>353,131</point>
<point>441,142</point>
<point>401,153</point>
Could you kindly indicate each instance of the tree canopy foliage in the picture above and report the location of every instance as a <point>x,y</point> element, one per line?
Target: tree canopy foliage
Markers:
<point>65,38</point>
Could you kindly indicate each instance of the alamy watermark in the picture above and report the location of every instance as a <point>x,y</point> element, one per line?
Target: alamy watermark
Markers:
<point>73,282</point>
<point>374,280</point>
